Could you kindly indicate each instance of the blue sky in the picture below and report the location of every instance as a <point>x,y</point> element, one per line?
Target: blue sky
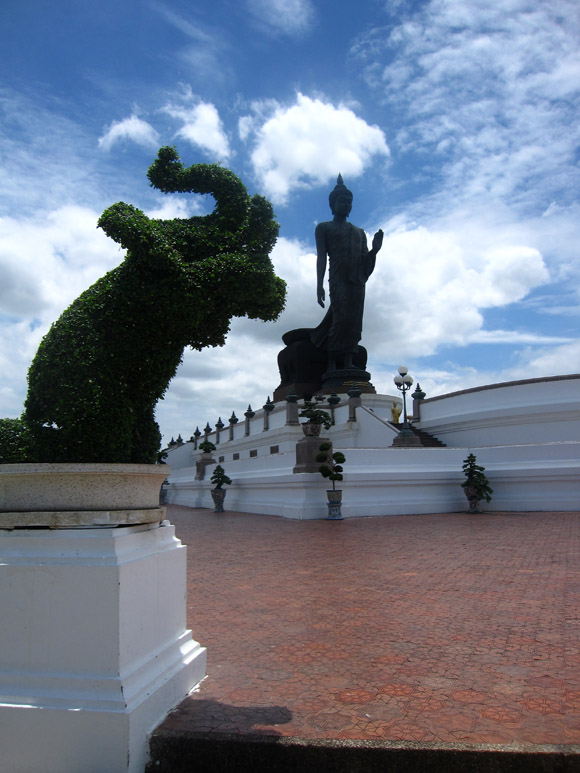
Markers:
<point>455,123</point>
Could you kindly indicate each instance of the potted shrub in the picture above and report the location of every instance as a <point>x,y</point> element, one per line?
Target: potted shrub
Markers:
<point>207,448</point>
<point>218,494</point>
<point>475,485</point>
<point>331,468</point>
<point>100,370</point>
<point>315,417</point>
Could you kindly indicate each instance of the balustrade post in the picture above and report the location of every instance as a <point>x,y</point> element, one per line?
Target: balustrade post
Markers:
<point>333,401</point>
<point>249,414</point>
<point>292,409</point>
<point>233,422</point>
<point>418,397</point>
<point>354,402</point>
<point>268,408</point>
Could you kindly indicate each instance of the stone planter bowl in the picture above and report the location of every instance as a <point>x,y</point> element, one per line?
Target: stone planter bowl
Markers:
<point>66,495</point>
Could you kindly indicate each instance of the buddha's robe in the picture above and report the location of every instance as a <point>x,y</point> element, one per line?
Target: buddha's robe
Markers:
<point>349,267</point>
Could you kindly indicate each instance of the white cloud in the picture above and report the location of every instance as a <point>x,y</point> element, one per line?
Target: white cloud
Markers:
<point>309,143</point>
<point>133,129</point>
<point>431,288</point>
<point>47,157</point>
<point>245,127</point>
<point>289,17</point>
<point>177,207</point>
<point>516,337</point>
<point>206,54</point>
<point>548,361</point>
<point>51,259</point>
<point>482,101</point>
<point>202,126</point>
<point>509,273</point>
<point>218,381</point>
<point>45,263</point>
<point>18,344</point>
<point>491,90</point>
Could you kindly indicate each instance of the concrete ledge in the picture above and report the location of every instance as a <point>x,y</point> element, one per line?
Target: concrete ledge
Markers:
<point>183,752</point>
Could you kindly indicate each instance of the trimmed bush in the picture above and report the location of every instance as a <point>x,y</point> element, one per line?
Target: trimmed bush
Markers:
<point>219,477</point>
<point>102,367</point>
<point>475,478</point>
<point>331,466</point>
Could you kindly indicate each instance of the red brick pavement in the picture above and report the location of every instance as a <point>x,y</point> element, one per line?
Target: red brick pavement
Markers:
<point>430,628</point>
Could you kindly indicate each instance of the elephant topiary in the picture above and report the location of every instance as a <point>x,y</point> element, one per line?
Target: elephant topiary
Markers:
<point>102,367</point>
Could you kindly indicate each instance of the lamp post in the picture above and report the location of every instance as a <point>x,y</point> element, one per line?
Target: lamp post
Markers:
<point>404,382</point>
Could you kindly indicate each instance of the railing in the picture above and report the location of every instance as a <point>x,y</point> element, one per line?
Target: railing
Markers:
<point>271,416</point>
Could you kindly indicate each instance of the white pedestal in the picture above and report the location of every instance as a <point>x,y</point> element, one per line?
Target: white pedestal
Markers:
<point>94,649</point>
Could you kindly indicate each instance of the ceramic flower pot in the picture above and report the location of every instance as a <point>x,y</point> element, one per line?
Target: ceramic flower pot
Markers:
<point>473,498</point>
<point>334,504</point>
<point>218,495</point>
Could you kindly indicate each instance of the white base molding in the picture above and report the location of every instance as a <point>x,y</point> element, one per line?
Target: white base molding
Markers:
<point>94,650</point>
<point>396,481</point>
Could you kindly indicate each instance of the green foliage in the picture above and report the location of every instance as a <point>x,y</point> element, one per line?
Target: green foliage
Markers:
<point>102,367</point>
<point>475,478</point>
<point>206,446</point>
<point>331,466</point>
<point>219,477</point>
<point>315,415</point>
<point>15,441</point>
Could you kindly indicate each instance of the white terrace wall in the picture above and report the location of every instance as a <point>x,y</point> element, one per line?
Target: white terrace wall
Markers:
<point>526,434</point>
<point>532,411</point>
<point>396,481</point>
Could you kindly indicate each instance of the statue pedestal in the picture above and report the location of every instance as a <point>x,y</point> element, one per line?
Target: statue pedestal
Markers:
<point>302,369</point>
<point>94,650</point>
<point>341,381</point>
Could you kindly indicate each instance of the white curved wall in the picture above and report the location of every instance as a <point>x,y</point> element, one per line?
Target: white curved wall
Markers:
<point>534,411</point>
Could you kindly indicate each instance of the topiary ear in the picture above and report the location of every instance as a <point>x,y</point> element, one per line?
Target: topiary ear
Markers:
<point>166,171</point>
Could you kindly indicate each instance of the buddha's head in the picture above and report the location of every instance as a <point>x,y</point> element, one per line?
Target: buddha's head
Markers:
<point>340,198</point>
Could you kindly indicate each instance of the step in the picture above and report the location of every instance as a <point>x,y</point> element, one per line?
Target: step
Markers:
<point>427,440</point>
<point>215,753</point>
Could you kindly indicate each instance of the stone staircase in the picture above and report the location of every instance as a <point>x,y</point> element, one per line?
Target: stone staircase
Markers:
<point>426,440</point>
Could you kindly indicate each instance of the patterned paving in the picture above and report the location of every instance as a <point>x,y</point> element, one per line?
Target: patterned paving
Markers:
<point>430,628</point>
